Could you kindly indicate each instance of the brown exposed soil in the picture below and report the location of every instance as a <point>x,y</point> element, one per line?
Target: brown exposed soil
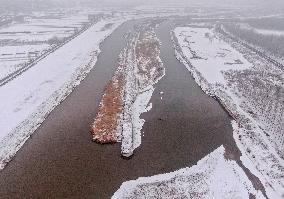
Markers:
<point>104,129</point>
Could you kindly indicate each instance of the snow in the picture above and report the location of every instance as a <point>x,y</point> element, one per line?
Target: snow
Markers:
<point>43,26</point>
<point>141,76</point>
<point>26,101</point>
<point>212,177</point>
<point>132,123</point>
<point>234,86</point>
<point>140,106</point>
<point>209,55</point>
<point>22,40</point>
<point>161,93</point>
<point>17,55</point>
<point>255,152</point>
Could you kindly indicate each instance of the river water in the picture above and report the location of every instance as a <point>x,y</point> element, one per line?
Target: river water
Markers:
<point>61,161</point>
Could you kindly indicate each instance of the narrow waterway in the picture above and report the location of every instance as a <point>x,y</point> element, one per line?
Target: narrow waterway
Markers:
<point>61,161</point>
<point>185,124</point>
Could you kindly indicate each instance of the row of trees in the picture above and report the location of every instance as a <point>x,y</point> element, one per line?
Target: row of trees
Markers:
<point>272,43</point>
<point>268,23</point>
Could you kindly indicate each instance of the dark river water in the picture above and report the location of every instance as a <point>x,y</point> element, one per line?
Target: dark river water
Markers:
<point>61,161</point>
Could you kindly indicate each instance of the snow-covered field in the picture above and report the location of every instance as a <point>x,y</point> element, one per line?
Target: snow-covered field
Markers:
<point>35,35</point>
<point>14,57</point>
<point>218,53</point>
<point>213,177</point>
<point>250,88</point>
<point>24,40</point>
<point>26,100</point>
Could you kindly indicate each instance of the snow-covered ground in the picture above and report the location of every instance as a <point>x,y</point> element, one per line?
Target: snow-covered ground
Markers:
<point>23,41</point>
<point>144,69</point>
<point>213,177</point>
<point>26,101</point>
<point>218,53</point>
<point>237,78</point>
<point>14,57</point>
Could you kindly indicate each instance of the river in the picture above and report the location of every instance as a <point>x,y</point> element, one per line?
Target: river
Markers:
<point>61,161</point>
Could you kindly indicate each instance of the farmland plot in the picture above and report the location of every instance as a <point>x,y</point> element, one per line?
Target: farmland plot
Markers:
<point>23,41</point>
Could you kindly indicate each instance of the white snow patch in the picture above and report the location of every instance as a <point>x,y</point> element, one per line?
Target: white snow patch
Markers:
<point>212,177</point>
<point>140,106</point>
<point>138,92</point>
<point>23,41</point>
<point>208,54</point>
<point>248,133</point>
<point>254,152</point>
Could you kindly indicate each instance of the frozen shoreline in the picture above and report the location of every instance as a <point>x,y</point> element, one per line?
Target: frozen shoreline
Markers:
<point>144,69</point>
<point>25,43</point>
<point>249,137</point>
<point>206,179</point>
<point>46,85</point>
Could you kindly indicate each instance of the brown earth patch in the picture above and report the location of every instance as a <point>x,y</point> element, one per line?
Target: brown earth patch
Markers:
<point>104,128</point>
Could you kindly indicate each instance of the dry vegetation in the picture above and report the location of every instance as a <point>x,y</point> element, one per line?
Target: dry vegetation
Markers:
<point>104,129</point>
<point>149,66</point>
<point>139,68</point>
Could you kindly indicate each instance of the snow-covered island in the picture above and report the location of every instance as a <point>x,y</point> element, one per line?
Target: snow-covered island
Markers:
<point>128,94</point>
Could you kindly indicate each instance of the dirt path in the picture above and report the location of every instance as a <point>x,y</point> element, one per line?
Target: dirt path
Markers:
<point>61,161</point>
